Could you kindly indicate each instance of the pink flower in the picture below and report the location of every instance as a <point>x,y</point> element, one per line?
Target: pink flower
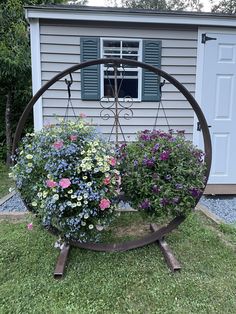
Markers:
<point>82,115</point>
<point>104,203</point>
<point>65,183</point>
<point>58,144</point>
<point>51,183</point>
<point>112,161</point>
<point>30,226</point>
<point>73,138</point>
<point>107,180</point>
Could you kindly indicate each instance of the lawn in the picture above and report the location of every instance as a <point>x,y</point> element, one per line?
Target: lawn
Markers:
<point>137,281</point>
<point>4,187</point>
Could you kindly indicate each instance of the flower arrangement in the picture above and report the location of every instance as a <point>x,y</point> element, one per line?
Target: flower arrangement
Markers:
<point>67,175</point>
<point>162,174</point>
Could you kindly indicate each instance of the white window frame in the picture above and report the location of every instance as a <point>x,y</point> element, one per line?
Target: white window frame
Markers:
<point>139,70</point>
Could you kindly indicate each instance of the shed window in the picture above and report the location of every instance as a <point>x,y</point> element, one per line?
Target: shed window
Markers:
<point>140,84</point>
<point>128,77</point>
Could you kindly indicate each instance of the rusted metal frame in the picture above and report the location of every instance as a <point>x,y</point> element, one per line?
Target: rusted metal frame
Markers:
<point>171,260</point>
<point>206,136</point>
<point>61,261</point>
<point>133,244</point>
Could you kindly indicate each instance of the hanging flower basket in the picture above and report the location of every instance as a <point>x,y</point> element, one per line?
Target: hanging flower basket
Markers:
<point>162,174</point>
<point>67,176</point>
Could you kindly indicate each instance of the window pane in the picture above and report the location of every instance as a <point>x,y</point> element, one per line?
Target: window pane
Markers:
<point>126,87</point>
<point>130,47</point>
<point>112,47</point>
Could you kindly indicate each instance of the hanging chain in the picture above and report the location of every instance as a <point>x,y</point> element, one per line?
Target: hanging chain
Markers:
<point>69,102</point>
<point>161,107</point>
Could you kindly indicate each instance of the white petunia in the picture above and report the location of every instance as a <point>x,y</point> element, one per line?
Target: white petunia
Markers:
<point>55,197</point>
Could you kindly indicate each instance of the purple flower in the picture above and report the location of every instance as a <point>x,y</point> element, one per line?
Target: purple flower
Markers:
<point>155,189</point>
<point>175,200</point>
<point>165,155</point>
<point>149,162</point>
<point>155,148</point>
<point>168,177</point>
<point>195,192</point>
<point>145,204</point>
<point>164,201</point>
<point>144,137</point>
<point>135,163</point>
<point>179,186</point>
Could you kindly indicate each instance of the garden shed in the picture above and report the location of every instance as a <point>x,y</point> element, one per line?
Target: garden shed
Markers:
<point>198,49</point>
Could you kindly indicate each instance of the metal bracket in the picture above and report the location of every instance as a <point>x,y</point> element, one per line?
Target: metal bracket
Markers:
<point>205,38</point>
<point>199,128</point>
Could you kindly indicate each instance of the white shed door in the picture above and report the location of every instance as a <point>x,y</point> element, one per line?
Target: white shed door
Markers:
<point>219,105</point>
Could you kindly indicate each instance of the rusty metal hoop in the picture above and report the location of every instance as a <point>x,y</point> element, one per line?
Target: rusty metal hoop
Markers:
<point>173,224</point>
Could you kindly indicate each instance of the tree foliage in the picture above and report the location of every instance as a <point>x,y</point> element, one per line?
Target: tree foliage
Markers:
<point>225,6</point>
<point>164,5</point>
<point>15,65</point>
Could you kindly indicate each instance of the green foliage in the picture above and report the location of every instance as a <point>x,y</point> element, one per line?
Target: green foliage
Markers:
<point>6,181</point>
<point>162,174</point>
<point>66,174</point>
<point>137,281</point>
<point>15,64</point>
<point>164,5</point>
<point>225,6</point>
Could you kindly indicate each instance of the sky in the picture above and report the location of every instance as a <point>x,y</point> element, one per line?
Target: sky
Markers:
<point>103,3</point>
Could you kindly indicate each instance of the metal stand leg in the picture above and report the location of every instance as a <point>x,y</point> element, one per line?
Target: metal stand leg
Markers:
<point>61,262</point>
<point>165,249</point>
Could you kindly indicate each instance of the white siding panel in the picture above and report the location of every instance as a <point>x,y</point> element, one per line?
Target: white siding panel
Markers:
<point>61,85</point>
<point>178,61</point>
<point>60,39</point>
<point>137,113</point>
<point>48,75</point>
<point>60,58</point>
<point>62,94</point>
<point>146,106</point>
<point>60,49</point>
<point>109,31</point>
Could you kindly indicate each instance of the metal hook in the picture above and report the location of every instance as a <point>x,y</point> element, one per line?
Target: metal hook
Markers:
<point>161,85</point>
<point>69,83</point>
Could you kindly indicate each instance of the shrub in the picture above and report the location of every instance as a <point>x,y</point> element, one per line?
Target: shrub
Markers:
<point>162,174</point>
<point>66,174</point>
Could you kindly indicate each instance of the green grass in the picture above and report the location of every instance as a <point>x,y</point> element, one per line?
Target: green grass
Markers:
<point>137,281</point>
<point>6,183</point>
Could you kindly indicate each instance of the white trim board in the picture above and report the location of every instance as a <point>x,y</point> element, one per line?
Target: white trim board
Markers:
<point>135,17</point>
<point>36,72</point>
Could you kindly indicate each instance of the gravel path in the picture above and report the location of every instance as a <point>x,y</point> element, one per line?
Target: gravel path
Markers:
<point>13,204</point>
<point>222,206</point>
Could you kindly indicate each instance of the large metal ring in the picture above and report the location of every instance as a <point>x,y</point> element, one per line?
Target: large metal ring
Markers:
<point>173,224</point>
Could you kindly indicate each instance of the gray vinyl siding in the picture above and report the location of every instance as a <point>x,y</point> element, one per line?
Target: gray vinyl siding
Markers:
<point>60,49</point>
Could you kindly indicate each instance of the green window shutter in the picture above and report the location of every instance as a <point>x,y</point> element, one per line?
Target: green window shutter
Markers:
<point>90,76</point>
<point>150,81</point>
